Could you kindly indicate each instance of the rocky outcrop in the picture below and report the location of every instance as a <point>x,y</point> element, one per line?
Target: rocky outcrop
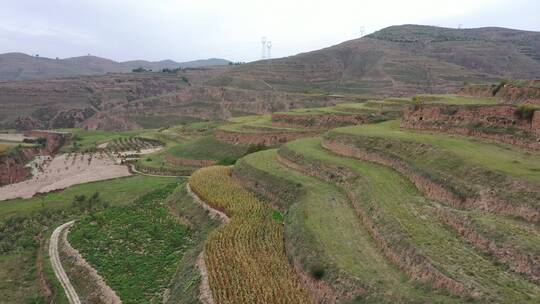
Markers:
<point>53,140</point>
<point>503,123</point>
<point>13,164</point>
<point>262,138</point>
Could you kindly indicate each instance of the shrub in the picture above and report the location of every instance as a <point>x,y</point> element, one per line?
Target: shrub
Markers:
<point>227,161</point>
<point>526,111</point>
<point>496,89</point>
<point>255,148</point>
<point>317,272</point>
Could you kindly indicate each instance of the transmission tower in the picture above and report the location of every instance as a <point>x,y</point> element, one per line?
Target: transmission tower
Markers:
<point>269,49</point>
<point>263,42</point>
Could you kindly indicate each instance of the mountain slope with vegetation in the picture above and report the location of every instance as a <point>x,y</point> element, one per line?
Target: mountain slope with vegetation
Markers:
<point>400,60</point>
<point>19,66</point>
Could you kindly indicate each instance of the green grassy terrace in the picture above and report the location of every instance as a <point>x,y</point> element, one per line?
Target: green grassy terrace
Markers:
<point>324,233</point>
<point>255,124</point>
<point>497,157</point>
<point>403,215</point>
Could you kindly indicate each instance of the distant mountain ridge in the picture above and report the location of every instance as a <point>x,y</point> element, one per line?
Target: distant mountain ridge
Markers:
<point>399,60</point>
<point>19,66</point>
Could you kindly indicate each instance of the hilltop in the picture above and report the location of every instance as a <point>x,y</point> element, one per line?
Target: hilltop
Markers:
<point>19,66</point>
<point>399,60</point>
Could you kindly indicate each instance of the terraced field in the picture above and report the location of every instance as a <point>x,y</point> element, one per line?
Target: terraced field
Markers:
<point>245,258</point>
<point>448,169</point>
<point>254,124</point>
<point>455,99</point>
<point>88,141</point>
<point>281,127</point>
<point>132,144</point>
<point>418,242</point>
<point>501,158</point>
<point>322,233</point>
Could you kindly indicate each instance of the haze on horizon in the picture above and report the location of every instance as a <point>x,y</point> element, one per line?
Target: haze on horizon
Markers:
<point>188,30</point>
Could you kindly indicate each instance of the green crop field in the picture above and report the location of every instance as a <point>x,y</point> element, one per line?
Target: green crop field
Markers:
<point>198,148</point>
<point>24,221</point>
<point>135,248</point>
<point>207,147</point>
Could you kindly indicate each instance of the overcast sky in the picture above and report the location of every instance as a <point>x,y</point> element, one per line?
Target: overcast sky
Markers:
<point>232,29</point>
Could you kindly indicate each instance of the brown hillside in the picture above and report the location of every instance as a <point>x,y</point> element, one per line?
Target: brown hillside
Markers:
<point>400,60</point>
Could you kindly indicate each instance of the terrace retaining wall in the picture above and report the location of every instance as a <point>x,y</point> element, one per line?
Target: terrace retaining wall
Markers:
<point>267,139</point>
<point>507,125</point>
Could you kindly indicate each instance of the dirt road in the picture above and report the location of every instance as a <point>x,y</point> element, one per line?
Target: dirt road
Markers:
<point>71,294</point>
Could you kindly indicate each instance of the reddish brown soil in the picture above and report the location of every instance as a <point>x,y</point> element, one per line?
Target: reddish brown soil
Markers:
<point>12,166</point>
<point>528,92</point>
<point>498,123</point>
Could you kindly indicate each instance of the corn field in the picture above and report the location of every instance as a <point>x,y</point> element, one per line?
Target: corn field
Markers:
<point>245,258</point>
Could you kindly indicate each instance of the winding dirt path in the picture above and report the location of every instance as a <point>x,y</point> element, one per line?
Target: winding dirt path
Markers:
<point>71,294</point>
<point>204,288</point>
